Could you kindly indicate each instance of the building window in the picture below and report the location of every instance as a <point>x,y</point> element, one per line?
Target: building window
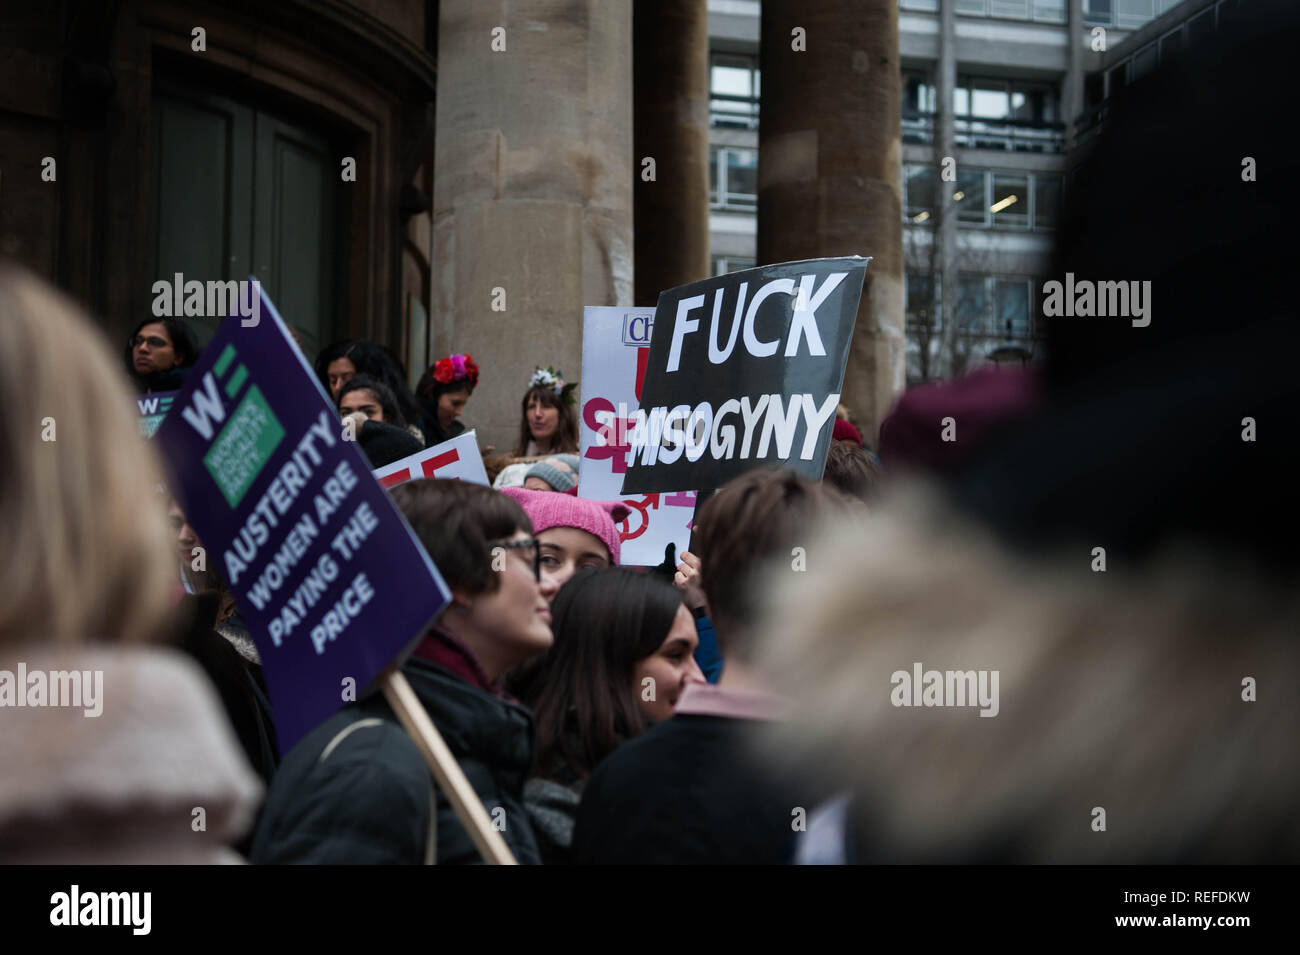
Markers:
<point>1098,12</point>
<point>1011,306</point>
<point>1011,9</point>
<point>722,264</point>
<point>985,198</point>
<point>1010,205</point>
<point>1007,114</point>
<point>972,303</point>
<point>918,108</point>
<point>988,99</point>
<point>969,197</point>
<point>925,6</point>
<point>733,90</point>
<point>1049,11</point>
<point>733,177</point>
<point>1047,201</point>
<point>918,94</point>
<point>1131,14</point>
<point>922,300</point>
<point>918,183</point>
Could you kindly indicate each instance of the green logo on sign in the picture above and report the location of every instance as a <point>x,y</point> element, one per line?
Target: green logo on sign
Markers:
<point>245,444</point>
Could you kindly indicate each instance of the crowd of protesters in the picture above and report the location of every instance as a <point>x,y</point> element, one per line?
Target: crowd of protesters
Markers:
<point>737,708</point>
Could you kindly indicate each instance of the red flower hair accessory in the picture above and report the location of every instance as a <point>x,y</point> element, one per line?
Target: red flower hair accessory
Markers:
<point>456,368</point>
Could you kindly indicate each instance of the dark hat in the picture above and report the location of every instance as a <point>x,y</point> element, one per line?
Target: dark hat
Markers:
<point>845,431</point>
<point>386,443</point>
<point>913,438</point>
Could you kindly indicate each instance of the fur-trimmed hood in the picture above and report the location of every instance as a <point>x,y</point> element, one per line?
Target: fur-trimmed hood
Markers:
<point>1121,691</point>
<point>123,786</point>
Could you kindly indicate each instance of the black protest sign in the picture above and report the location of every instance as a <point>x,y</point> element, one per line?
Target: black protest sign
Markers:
<point>745,371</point>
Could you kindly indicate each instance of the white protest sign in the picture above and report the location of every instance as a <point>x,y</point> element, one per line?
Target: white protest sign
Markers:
<point>457,459</point>
<point>615,346</point>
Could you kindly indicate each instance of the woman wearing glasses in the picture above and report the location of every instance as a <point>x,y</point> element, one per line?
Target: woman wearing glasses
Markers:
<point>573,533</point>
<point>356,790</point>
<point>159,354</point>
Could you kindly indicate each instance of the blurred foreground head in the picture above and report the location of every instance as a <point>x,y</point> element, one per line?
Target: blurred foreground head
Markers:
<point>82,528</point>
<point>88,561</point>
<point>1124,560</point>
<point>1141,438</point>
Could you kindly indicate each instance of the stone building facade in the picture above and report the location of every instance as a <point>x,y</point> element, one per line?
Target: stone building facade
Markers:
<point>433,175</point>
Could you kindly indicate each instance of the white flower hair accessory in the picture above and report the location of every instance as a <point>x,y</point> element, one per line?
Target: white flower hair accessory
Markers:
<point>548,377</point>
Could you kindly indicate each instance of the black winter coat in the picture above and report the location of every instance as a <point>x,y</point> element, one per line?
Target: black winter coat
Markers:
<point>688,792</point>
<point>433,432</point>
<point>173,379</point>
<point>238,682</point>
<point>357,791</point>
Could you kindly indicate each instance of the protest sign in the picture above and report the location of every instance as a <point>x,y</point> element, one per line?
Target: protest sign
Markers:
<point>457,459</point>
<point>615,347</point>
<point>330,580</point>
<point>744,371</point>
<point>152,408</point>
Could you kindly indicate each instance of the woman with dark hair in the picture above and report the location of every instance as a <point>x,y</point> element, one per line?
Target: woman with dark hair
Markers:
<point>372,398</point>
<point>341,362</point>
<point>159,354</point>
<point>624,650</point>
<point>334,368</point>
<point>356,790</point>
<point>382,432</point>
<point>443,392</point>
<point>547,422</point>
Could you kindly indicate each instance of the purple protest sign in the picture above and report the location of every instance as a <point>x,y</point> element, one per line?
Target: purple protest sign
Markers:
<point>152,408</point>
<point>330,580</point>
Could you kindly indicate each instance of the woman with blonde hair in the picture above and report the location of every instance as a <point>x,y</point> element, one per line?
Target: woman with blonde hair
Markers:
<point>85,590</point>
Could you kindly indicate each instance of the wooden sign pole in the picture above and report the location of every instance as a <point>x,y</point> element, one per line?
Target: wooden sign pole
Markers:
<point>446,771</point>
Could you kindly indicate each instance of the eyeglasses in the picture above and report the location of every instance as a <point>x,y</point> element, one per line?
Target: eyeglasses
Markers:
<point>525,544</point>
<point>153,340</point>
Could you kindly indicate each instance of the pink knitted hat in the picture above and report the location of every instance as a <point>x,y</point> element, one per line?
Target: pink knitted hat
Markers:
<point>548,509</point>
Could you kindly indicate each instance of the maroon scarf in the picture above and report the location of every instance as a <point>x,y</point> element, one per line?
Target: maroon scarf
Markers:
<point>441,647</point>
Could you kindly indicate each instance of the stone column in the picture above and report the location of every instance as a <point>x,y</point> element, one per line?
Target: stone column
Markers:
<point>671,94</point>
<point>830,169</point>
<point>533,175</point>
